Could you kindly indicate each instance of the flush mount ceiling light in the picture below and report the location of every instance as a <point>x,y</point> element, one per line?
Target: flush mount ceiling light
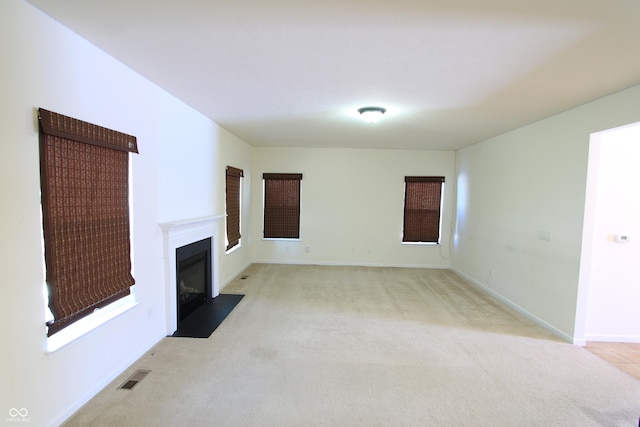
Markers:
<point>371,114</point>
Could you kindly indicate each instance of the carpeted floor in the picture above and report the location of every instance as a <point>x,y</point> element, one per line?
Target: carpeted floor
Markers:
<point>357,346</point>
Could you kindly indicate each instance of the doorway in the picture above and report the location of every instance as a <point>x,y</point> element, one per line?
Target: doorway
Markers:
<point>609,285</point>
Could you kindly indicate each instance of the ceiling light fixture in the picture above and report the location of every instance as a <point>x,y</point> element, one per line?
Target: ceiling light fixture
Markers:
<point>371,114</point>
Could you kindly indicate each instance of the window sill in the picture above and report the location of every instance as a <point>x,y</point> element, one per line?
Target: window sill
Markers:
<point>233,249</point>
<point>421,243</point>
<point>80,329</point>
<point>281,239</point>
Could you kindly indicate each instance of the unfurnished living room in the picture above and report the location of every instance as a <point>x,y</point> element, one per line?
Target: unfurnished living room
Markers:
<point>341,213</point>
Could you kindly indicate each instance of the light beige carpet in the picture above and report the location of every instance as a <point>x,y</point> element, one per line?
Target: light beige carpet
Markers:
<point>357,346</point>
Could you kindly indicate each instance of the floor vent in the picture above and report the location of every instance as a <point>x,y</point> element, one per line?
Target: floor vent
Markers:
<point>134,379</point>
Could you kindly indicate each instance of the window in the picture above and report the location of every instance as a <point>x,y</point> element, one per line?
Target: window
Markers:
<point>282,205</point>
<point>233,180</point>
<point>422,207</point>
<point>84,178</point>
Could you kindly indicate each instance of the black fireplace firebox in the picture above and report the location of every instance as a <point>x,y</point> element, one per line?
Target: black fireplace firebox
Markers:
<point>193,276</point>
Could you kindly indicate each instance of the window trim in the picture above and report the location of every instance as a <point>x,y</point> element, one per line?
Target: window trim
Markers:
<point>81,328</point>
<point>107,211</point>
<point>266,177</point>
<point>230,246</point>
<point>78,330</point>
<point>418,229</point>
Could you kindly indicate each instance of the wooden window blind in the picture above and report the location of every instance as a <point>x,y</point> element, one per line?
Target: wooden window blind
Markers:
<point>233,179</point>
<point>422,204</point>
<point>282,205</point>
<point>84,178</point>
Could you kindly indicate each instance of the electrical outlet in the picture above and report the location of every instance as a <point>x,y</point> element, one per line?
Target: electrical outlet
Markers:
<point>544,235</point>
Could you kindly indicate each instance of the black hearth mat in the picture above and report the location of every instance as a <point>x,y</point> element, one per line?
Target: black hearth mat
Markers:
<point>206,318</point>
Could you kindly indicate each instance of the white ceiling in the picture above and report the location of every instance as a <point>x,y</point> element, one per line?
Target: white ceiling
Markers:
<point>293,72</point>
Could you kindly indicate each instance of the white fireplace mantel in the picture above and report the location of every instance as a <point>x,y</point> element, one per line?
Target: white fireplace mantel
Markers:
<point>181,233</point>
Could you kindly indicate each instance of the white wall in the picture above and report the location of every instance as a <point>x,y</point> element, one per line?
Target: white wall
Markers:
<point>186,176</point>
<point>351,206</point>
<point>613,200</point>
<point>518,184</point>
<point>46,65</point>
<point>195,152</point>
<point>236,153</point>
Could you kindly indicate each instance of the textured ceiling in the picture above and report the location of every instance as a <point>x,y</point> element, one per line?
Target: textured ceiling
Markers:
<point>293,73</point>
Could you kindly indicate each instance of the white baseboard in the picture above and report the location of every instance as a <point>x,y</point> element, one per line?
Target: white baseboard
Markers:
<point>613,338</point>
<point>349,264</point>
<point>544,324</point>
<point>234,275</point>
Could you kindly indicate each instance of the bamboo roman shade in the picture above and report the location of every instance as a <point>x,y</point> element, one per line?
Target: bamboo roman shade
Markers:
<point>84,173</point>
<point>282,205</point>
<point>232,192</point>
<point>423,195</point>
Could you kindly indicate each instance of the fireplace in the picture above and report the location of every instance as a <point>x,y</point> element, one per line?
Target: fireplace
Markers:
<point>184,234</point>
<point>193,276</point>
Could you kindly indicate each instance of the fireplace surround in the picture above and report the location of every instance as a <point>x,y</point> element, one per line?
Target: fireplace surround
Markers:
<point>181,234</point>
